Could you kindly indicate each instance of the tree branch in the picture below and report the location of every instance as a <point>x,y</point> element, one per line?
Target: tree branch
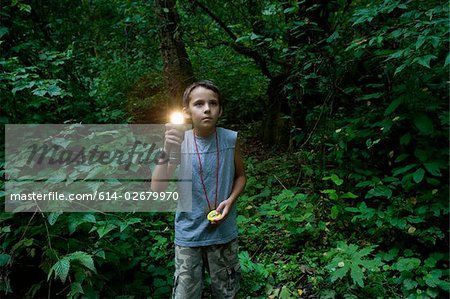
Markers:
<point>260,61</point>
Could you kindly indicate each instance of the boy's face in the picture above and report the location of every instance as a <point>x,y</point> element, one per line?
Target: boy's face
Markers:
<point>204,109</point>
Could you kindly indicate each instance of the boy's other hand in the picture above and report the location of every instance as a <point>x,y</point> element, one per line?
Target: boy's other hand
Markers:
<point>173,137</point>
<point>223,208</point>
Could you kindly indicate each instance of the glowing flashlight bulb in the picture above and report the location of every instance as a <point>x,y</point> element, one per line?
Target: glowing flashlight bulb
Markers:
<point>177,118</point>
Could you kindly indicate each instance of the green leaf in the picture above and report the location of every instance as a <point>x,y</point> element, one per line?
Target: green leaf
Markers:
<point>270,10</point>
<point>415,219</point>
<point>370,96</point>
<point>75,290</point>
<point>400,68</point>
<point>357,275</point>
<point>420,41</point>
<point>405,139</point>
<point>333,37</point>
<point>425,60</point>
<point>433,168</point>
<point>401,157</point>
<point>396,55</point>
<point>54,90</point>
<point>74,221</point>
<point>366,251</point>
<point>3,31</point>
<point>289,10</point>
<point>424,124</point>
<point>334,212</point>
<point>379,191</point>
<point>364,184</point>
<point>403,170</point>
<point>25,7</point>
<point>447,60</point>
<point>4,259</point>
<point>339,273</point>
<point>432,278</point>
<point>103,230</point>
<point>409,284</point>
<point>331,193</point>
<point>39,92</point>
<point>285,194</point>
<point>90,218</point>
<point>335,179</point>
<point>418,175</point>
<point>353,210</point>
<point>84,258</point>
<point>254,36</point>
<point>392,106</point>
<point>348,195</point>
<point>61,269</point>
<point>422,155</point>
<point>100,253</point>
<point>285,293</point>
<point>372,265</point>
<point>242,39</point>
<point>407,264</point>
<point>53,217</point>
<point>158,282</point>
<point>130,221</point>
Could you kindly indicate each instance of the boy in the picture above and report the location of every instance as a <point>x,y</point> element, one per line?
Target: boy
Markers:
<point>218,177</point>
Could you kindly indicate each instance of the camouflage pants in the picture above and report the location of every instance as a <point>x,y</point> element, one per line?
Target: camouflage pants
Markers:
<point>222,263</point>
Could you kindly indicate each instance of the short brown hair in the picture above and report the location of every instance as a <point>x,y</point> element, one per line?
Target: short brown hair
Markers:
<point>205,84</point>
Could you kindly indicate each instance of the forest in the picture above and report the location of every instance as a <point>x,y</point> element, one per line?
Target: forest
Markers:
<point>342,109</point>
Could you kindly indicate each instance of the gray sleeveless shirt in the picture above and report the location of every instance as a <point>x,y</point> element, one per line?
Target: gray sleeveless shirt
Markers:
<point>193,228</point>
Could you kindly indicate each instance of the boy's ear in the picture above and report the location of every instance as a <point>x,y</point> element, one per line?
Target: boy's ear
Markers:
<point>186,112</point>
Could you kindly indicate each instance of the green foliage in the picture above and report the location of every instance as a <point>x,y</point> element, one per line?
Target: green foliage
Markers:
<point>61,268</point>
<point>349,259</point>
<point>359,210</point>
<point>74,62</point>
<point>254,275</point>
<point>87,261</point>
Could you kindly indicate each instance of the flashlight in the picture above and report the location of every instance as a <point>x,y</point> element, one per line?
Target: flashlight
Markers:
<point>176,119</point>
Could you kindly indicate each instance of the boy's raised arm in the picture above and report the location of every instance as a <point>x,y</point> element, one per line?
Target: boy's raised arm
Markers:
<point>164,169</point>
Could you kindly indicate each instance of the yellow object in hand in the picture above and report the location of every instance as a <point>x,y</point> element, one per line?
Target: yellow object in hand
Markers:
<point>213,215</point>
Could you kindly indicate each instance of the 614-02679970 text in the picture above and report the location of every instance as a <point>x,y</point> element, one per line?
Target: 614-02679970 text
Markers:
<point>146,195</point>
<point>102,196</point>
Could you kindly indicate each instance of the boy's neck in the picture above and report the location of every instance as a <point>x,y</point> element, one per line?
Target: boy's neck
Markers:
<point>204,132</point>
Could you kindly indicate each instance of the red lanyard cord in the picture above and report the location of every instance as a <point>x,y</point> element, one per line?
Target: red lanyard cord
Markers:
<point>201,171</point>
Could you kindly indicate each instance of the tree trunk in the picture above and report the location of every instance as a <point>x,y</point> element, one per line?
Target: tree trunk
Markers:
<point>275,129</point>
<point>178,73</point>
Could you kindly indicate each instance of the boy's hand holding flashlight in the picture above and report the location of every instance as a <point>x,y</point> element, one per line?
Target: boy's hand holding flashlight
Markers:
<point>174,136</point>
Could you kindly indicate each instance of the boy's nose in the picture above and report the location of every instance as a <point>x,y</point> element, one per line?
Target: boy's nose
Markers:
<point>207,108</point>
